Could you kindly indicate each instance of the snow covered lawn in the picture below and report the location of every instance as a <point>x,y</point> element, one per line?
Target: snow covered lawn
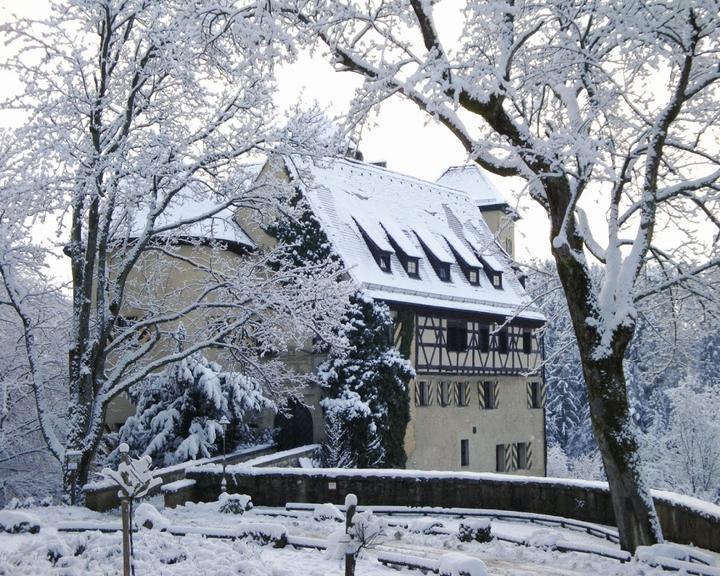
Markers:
<point>54,552</point>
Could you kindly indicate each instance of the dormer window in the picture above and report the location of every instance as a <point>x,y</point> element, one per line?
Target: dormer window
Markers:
<point>496,279</point>
<point>408,254</point>
<point>469,264</point>
<point>378,246</point>
<point>438,256</point>
<point>443,272</point>
<point>411,267</point>
<point>473,276</point>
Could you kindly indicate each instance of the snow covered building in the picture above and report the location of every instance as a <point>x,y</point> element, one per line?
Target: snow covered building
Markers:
<point>440,255</point>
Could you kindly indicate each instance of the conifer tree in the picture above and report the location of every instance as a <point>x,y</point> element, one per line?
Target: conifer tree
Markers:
<point>179,411</point>
<point>367,386</point>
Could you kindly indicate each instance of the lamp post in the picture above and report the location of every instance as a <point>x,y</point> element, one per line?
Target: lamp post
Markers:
<point>224,423</point>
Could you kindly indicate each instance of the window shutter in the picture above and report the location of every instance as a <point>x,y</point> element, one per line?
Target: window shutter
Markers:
<point>543,394</point>
<point>509,449</point>
<point>439,393</point>
<point>529,391</point>
<point>514,455</point>
<point>417,393</point>
<point>454,393</point>
<point>529,454</point>
<point>466,385</point>
<point>430,389</point>
<point>496,395</point>
<point>481,395</point>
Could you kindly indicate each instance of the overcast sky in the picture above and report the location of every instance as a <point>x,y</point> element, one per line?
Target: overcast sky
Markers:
<point>401,135</point>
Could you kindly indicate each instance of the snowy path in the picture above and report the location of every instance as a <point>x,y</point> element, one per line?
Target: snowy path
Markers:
<point>162,554</point>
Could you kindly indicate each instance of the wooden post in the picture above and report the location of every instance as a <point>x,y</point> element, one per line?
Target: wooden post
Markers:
<point>350,554</point>
<point>125,513</point>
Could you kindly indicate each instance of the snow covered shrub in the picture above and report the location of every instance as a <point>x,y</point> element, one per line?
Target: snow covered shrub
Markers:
<point>456,564</point>
<point>179,411</point>
<point>234,503</point>
<point>147,516</point>
<point>425,525</point>
<point>18,522</point>
<point>328,511</point>
<point>474,529</point>
<point>367,406</point>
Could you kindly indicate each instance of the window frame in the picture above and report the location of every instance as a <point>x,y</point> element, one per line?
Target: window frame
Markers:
<point>527,342</point>
<point>461,326</point>
<point>500,458</point>
<point>489,394</point>
<point>503,341</point>
<point>464,452</point>
<point>423,393</point>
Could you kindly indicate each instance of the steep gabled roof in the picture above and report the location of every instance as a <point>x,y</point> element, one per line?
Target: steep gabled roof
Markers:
<point>471,180</point>
<point>354,200</point>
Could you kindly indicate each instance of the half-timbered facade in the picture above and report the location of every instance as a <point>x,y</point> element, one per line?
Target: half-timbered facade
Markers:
<point>441,258</point>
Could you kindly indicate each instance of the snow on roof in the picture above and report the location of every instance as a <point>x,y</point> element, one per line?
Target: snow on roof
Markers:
<point>401,237</point>
<point>472,180</point>
<point>343,191</point>
<point>188,205</point>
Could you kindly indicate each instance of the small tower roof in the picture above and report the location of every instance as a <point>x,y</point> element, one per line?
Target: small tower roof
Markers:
<point>472,180</point>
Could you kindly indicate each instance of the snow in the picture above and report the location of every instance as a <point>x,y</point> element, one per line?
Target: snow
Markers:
<point>472,180</point>
<point>177,486</point>
<point>456,564</point>
<point>18,522</point>
<point>328,511</point>
<point>343,191</point>
<point>424,525</point>
<point>200,540</point>
<point>147,516</point>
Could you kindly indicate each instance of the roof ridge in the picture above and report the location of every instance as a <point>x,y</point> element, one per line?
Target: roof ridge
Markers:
<point>375,168</point>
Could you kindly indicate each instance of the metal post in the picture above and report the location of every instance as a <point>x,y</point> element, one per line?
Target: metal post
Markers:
<point>350,507</point>
<point>125,512</point>
<point>72,460</point>
<point>224,423</point>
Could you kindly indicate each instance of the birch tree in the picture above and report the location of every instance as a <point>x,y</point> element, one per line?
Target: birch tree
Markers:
<point>609,111</point>
<point>136,110</point>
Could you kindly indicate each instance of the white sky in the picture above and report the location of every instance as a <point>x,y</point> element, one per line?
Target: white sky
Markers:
<point>401,135</point>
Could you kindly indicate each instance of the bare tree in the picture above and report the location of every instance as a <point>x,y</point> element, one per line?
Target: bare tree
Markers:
<point>609,111</point>
<point>138,117</point>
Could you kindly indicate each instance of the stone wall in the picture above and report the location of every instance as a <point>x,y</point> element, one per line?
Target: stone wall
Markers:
<point>684,520</point>
<point>102,496</point>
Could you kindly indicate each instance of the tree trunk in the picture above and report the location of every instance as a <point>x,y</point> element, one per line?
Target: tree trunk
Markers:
<point>613,428</point>
<point>610,413</point>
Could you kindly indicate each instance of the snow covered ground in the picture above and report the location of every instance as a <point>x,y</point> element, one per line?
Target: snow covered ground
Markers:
<point>52,552</point>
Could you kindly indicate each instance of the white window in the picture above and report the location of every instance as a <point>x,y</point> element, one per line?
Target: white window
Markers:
<point>412,267</point>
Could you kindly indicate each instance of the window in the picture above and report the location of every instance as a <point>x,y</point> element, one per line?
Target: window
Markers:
<point>488,395</point>
<point>527,342</point>
<point>443,272</point>
<point>456,336</point>
<point>383,261</point>
<point>461,393</point>
<point>523,280</point>
<point>502,342</point>
<point>508,245</point>
<point>535,395</point>
<point>484,339</point>
<point>464,453</point>
<point>473,276</point>
<point>521,449</point>
<point>412,267</point>
<point>500,457</point>
<point>444,393</point>
<point>423,394</point>
<point>496,280</point>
